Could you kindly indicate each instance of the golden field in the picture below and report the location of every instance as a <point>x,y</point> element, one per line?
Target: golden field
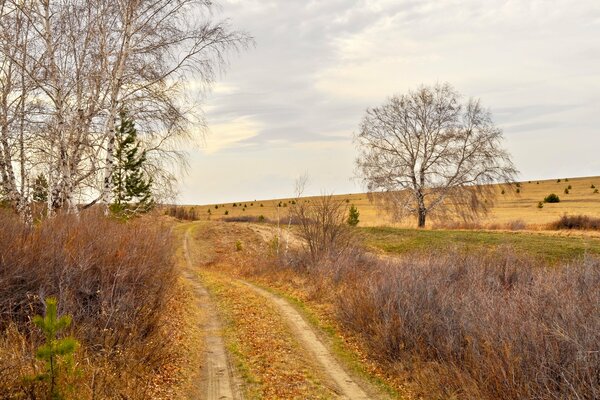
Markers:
<point>510,206</point>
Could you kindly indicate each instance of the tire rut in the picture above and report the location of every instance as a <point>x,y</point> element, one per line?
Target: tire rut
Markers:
<point>347,388</point>
<point>218,380</point>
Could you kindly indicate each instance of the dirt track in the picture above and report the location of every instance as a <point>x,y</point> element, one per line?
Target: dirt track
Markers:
<point>347,388</point>
<point>218,378</point>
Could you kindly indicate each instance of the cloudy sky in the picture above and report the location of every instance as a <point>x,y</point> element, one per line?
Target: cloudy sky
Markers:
<point>291,104</point>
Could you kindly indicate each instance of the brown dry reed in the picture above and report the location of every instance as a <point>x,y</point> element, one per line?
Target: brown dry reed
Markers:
<point>115,279</point>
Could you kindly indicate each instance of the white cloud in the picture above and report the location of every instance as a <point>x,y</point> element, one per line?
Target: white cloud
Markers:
<point>228,134</point>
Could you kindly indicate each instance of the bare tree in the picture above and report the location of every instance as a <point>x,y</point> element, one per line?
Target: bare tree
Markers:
<point>67,69</point>
<point>322,225</point>
<point>425,153</point>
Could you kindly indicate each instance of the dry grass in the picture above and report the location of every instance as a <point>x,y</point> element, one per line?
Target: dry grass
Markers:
<point>117,281</point>
<point>510,207</point>
<point>483,326</point>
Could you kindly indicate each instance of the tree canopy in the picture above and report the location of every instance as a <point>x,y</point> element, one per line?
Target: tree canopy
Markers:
<point>428,153</point>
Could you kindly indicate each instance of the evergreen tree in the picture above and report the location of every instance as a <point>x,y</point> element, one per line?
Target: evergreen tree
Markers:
<point>131,188</point>
<point>56,353</point>
<point>353,215</point>
<point>40,189</point>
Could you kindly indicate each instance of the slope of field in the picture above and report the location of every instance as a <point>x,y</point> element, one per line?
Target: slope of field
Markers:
<point>510,206</point>
<point>549,248</point>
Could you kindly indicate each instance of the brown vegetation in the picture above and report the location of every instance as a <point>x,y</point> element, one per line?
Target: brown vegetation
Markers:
<point>581,222</point>
<point>116,281</point>
<point>480,325</point>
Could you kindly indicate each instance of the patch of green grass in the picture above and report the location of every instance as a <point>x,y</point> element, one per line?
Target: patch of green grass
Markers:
<point>547,247</point>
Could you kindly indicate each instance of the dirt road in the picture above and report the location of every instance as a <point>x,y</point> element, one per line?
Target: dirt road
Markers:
<point>218,379</point>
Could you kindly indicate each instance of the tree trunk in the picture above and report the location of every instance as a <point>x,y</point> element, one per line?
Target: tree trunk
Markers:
<point>422,214</point>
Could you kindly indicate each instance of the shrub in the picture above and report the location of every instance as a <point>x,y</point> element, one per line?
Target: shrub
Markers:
<point>353,215</point>
<point>518,185</point>
<point>558,181</point>
<point>566,191</point>
<point>323,227</point>
<point>487,326</point>
<point>576,222</point>
<point>115,279</point>
<point>569,187</point>
<point>246,218</point>
<point>226,212</point>
<point>518,190</point>
<point>552,198</point>
<point>540,204</point>
<point>503,191</point>
<point>238,245</point>
<point>593,186</point>
<point>596,191</point>
<point>182,213</point>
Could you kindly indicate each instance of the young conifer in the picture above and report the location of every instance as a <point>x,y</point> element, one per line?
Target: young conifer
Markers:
<point>56,353</point>
<point>132,189</point>
<point>353,215</point>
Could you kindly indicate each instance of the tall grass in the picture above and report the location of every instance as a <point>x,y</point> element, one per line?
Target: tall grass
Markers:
<point>481,326</point>
<point>114,279</point>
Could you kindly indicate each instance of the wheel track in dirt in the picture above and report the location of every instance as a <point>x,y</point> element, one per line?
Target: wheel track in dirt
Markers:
<point>346,386</point>
<point>218,380</point>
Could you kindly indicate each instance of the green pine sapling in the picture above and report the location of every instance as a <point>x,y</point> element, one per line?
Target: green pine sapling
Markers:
<point>56,353</point>
<point>353,215</point>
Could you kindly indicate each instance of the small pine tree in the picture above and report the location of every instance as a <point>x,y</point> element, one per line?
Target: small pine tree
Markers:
<point>353,215</point>
<point>129,180</point>
<point>40,189</point>
<point>56,353</point>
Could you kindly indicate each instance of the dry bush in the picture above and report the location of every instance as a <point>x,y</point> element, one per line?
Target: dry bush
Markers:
<point>323,228</point>
<point>182,213</point>
<point>582,222</point>
<point>484,326</point>
<point>247,218</point>
<point>515,225</point>
<point>115,279</point>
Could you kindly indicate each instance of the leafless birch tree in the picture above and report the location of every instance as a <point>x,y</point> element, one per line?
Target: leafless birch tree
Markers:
<point>425,153</point>
<point>67,69</point>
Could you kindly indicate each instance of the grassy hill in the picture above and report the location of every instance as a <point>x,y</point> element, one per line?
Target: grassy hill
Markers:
<point>510,207</point>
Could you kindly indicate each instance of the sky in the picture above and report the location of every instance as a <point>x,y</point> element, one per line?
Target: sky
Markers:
<point>291,104</point>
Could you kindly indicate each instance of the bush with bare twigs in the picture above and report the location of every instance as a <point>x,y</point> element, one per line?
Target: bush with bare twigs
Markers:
<point>582,222</point>
<point>481,326</point>
<point>322,225</point>
<point>115,280</point>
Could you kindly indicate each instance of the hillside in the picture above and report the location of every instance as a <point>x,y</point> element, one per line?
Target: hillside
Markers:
<point>510,207</point>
